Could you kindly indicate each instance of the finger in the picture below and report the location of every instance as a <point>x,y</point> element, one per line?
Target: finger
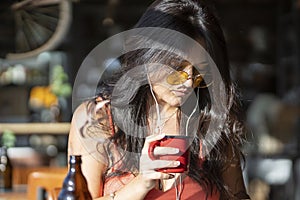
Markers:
<point>165,150</point>
<point>152,165</point>
<point>150,139</point>
<point>157,164</point>
<point>154,137</point>
<point>159,175</point>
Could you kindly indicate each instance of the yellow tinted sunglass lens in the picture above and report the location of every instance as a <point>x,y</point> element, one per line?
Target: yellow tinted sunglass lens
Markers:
<point>177,77</point>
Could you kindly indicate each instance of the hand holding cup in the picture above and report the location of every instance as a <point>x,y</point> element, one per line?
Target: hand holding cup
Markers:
<point>178,142</point>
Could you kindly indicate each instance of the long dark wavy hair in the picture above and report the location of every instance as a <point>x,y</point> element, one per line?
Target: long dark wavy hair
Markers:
<point>196,20</point>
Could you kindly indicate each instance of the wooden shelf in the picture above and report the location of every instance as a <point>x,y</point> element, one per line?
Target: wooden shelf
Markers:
<point>36,128</point>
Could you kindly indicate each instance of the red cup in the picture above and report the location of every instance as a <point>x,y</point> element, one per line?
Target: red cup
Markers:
<point>178,141</point>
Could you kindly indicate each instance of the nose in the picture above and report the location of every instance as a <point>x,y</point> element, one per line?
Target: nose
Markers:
<point>189,82</point>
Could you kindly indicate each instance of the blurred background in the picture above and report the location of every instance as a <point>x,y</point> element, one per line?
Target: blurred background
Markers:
<point>43,43</point>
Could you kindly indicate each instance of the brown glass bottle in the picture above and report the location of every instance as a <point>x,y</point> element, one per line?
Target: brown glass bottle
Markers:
<point>5,170</point>
<point>75,185</point>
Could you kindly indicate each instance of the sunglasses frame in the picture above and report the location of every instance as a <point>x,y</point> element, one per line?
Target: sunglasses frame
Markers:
<point>182,79</point>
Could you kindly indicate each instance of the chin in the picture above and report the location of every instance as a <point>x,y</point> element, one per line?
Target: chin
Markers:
<point>177,101</point>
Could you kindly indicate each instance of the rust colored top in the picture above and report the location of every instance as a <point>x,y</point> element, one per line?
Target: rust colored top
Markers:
<point>191,189</point>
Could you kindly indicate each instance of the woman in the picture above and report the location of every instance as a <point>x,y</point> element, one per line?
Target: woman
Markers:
<point>161,91</point>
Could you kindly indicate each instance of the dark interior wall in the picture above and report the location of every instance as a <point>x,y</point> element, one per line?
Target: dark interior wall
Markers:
<point>89,28</point>
<point>239,20</point>
<point>256,34</point>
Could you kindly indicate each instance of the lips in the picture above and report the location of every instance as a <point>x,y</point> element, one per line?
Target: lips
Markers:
<point>181,93</point>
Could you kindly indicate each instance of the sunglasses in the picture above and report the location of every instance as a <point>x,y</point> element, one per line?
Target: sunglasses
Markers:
<point>199,80</point>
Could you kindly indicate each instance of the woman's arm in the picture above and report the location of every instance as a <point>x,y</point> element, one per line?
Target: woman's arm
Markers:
<point>91,168</point>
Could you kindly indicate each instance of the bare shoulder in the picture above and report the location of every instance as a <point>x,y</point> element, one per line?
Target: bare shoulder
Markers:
<point>89,127</point>
<point>89,112</point>
<point>78,120</point>
<point>80,114</point>
<point>84,125</point>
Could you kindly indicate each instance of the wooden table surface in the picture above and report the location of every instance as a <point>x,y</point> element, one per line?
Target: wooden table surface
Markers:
<point>18,193</point>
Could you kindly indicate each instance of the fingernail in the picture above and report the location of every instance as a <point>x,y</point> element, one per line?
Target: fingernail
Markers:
<point>171,176</point>
<point>176,150</point>
<point>176,163</point>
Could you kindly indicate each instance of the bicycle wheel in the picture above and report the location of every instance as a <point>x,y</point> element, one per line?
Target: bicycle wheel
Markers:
<point>39,25</point>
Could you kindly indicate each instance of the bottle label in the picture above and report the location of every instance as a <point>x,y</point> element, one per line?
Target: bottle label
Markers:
<point>2,168</point>
<point>3,160</point>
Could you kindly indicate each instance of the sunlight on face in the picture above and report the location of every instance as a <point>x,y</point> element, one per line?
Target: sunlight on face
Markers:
<point>172,94</point>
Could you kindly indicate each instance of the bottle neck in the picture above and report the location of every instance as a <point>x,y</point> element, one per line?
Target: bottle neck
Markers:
<point>75,163</point>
